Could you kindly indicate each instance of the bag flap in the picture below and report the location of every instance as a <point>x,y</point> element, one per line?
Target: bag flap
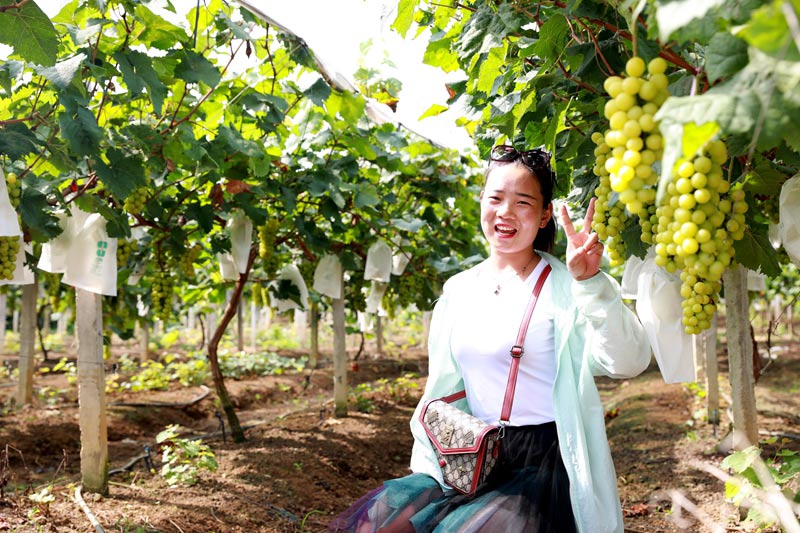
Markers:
<point>451,430</point>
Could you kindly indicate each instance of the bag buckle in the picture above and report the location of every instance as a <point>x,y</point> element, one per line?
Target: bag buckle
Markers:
<point>516,351</point>
<point>502,431</point>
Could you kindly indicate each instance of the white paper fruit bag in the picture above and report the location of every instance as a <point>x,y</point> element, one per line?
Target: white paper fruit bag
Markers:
<point>658,305</point>
<point>92,256</point>
<point>54,253</point>
<point>790,218</point>
<point>292,274</point>
<point>379,262</point>
<point>9,223</point>
<point>241,232</point>
<point>328,277</point>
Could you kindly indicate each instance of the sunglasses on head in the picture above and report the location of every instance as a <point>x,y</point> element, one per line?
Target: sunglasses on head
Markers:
<point>537,159</point>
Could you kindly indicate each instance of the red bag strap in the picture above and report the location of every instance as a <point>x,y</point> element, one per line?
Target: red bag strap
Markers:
<point>517,350</point>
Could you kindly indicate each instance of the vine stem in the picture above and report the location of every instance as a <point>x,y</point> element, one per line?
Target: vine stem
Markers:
<point>665,53</point>
<point>18,5</point>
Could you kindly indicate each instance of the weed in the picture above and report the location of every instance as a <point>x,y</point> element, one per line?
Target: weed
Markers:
<point>182,459</point>
<point>750,487</point>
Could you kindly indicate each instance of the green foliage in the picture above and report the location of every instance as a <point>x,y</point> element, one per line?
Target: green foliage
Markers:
<point>241,364</point>
<point>182,459</point>
<point>403,389</point>
<point>783,470</point>
<point>210,115</point>
<point>534,76</point>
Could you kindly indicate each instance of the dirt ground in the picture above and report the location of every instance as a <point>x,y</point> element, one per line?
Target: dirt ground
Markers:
<point>300,465</point>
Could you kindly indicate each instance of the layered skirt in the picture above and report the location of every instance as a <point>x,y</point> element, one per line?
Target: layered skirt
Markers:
<point>528,491</point>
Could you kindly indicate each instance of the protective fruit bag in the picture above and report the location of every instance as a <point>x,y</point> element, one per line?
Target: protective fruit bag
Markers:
<point>790,218</point>
<point>328,277</point>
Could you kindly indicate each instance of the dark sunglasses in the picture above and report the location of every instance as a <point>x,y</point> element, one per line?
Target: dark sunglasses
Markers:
<point>538,159</point>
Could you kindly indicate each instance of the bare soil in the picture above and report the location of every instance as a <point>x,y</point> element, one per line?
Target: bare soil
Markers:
<point>300,465</point>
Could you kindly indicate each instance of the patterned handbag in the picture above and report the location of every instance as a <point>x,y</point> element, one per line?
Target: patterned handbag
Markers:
<point>466,447</point>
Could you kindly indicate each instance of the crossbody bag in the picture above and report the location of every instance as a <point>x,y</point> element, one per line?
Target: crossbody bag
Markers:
<point>466,447</point>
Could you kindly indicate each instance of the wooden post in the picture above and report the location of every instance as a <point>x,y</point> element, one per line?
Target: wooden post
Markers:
<point>712,373</point>
<point>339,359</point>
<point>91,391</point>
<point>27,340</point>
<point>144,340</point>
<point>3,315</point>
<point>699,351</point>
<point>379,334</point>
<point>253,326</point>
<point>313,354</point>
<point>240,327</point>
<point>740,355</point>
<point>63,321</point>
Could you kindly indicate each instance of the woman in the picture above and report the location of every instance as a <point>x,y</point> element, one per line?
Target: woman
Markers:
<point>555,471</point>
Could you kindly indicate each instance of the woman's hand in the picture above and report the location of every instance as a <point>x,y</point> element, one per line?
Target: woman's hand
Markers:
<point>584,249</point>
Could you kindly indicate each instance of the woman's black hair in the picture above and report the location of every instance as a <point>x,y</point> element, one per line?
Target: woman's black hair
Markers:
<point>546,237</point>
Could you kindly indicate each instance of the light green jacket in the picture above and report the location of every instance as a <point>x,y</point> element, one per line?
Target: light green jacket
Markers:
<point>595,334</point>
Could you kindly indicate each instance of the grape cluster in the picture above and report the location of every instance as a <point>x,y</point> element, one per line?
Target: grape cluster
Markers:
<point>125,250</point>
<point>14,186</point>
<point>768,205</point>
<point>187,260</point>
<point>403,292</point>
<point>626,152</point>
<point>266,247</point>
<point>52,288</point>
<point>354,295</point>
<point>162,287</point>
<point>9,248</point>
<point>135,202</point>
<point>258,300</point>
<point>700,218</point>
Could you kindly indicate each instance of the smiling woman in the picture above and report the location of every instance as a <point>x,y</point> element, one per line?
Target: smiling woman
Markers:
<point>553,471</point>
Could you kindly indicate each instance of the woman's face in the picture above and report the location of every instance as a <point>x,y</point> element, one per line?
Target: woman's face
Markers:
<point>512,209</point>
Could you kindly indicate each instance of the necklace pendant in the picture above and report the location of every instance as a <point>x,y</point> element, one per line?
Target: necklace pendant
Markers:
<point>497,290</point>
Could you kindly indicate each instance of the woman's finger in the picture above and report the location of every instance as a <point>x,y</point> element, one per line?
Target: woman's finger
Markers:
<point>566,223</point>
<point>587,222</point>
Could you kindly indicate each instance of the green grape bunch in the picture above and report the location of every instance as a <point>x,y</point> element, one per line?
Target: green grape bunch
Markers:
<point>52,288</point>
<point>267,234</point>
<point>700,217</point>
<point>626,152</point>
<point>161,297</point>
<point>14,186</point>
<point>125,249</point>
<point>136,201</point>
<point>9,248</point>
<point>187,261</point>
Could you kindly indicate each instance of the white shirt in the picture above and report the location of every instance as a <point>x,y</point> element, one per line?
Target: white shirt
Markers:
<point>485,330</point>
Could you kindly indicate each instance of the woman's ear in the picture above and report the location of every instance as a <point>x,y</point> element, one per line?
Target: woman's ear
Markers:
<point>547,214</point>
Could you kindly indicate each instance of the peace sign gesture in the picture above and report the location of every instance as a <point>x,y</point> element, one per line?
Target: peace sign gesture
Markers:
<point>584,249</point>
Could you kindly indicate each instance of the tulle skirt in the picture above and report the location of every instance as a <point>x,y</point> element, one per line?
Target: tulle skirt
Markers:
<point>528,491</point>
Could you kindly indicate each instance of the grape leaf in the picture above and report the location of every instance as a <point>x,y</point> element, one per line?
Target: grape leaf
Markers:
<point>17,140</point>
<point>35,211</point>
<point>63,72</point>
<point>755,251</point>
<point>725,55</point>
<point>433,110</point>
<point>195,68</point>
<point>29,31</point>
<point>405,16</point>
<point>765,179</point>
<point>123,173</point>
<point>676,14</point>
<point>768,31</point>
